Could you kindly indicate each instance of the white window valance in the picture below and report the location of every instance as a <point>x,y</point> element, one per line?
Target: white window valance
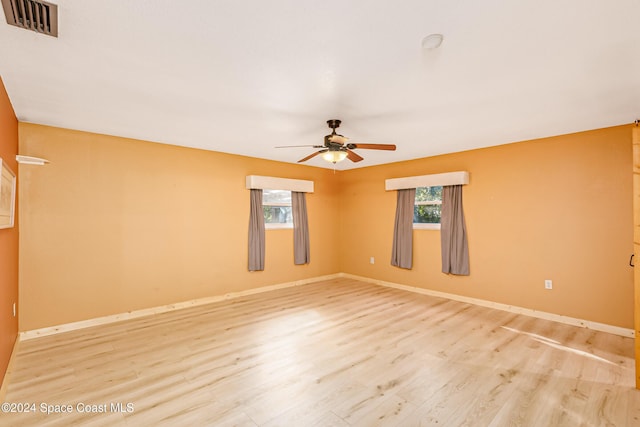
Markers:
<point>273,183</point>
<point>437,179</point>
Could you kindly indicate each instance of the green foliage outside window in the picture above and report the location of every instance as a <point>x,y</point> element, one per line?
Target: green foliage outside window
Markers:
<point>277,214</point>
<point>276,206</point>
<point>427,213</point>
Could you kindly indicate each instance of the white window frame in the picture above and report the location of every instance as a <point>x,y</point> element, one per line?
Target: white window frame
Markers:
<point>277,225</point>
<point>427,225</point>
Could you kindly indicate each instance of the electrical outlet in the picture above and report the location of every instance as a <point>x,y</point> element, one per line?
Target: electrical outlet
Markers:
<point>372,260</point>
<point>548,284</point>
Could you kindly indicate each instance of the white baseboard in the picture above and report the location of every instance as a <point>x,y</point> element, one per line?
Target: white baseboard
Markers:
<point>617,330</point>
<point>52,330</point>
<point>36,333</point>
<point>7,374</point>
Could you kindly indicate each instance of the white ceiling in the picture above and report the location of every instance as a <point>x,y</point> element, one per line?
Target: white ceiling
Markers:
<point>244,76</point>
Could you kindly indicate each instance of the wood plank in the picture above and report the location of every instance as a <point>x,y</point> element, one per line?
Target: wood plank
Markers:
<point>340,352</point>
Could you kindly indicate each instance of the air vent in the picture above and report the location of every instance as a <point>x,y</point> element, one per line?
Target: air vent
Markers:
<point>38,16</point>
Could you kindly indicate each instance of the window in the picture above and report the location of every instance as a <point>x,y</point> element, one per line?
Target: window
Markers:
<point>276,207</point>
<point>427,207</point>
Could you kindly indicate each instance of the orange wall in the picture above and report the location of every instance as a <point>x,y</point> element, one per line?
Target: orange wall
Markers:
<point>113,225</point>
<point>8,238</point>
<point>556,208</point>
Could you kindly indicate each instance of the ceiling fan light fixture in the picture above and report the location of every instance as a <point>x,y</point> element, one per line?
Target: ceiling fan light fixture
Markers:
<point>334,156</point>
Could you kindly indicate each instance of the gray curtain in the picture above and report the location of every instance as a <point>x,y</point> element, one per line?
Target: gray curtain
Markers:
<point>453,232</point>
<point>256,232</point>
<point>402,252</point>
<point>301,253</point>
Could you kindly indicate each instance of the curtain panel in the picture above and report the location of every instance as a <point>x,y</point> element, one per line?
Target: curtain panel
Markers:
<point>402,251</point>
<point>301,253</point>
<point>453,232</point>
<point>256,232</point>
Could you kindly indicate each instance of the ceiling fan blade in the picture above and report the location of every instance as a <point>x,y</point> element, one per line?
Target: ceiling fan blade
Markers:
<point>310,156</point>
<point>351,155</point>
<point>290,146</point>
<point>338,138</point>
<point>390,147</point>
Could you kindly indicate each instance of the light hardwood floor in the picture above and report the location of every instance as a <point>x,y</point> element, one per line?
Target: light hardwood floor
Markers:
<point>334,353</point>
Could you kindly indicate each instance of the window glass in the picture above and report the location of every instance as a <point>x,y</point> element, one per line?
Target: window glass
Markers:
<point>426,214</point>
<point>271,197</point>
<point>276,207</point>
<point>427,206</point>
<point>429,194</point>
<point>277,215</point>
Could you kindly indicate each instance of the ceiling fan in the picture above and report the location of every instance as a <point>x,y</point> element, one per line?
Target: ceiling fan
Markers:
<point>336,147</point>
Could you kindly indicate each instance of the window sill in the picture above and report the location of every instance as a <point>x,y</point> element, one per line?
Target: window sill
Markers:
<point>278,226</point>
<point>423,226</point>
